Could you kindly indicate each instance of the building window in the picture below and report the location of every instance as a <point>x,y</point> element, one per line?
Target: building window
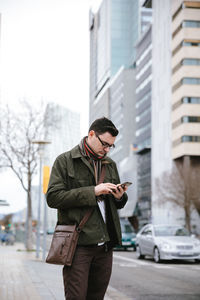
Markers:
<point>192,100</point>
<point>190,119</point>
<point>186,80</point>
<point>186,62</point>
<point>143,84</point>
<point>190,80</point>
<point>190,138</point>
<point>186,100</point>
<point>143,99</point>
<point>142,71</point>
<point>190,62</point>
<point>143,129</point>
<point>143,114</point>
<point>186,43</point>
<point>140,59</point>
<point>193,43</point>
<point>191,24</point>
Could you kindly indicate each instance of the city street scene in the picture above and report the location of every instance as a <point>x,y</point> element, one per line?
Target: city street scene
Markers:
<point>100,145</point>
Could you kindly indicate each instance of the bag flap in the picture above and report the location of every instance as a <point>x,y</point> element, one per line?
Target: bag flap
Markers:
<point>65,228</point>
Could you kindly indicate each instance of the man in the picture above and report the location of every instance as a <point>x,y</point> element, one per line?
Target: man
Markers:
<point>73,188</point>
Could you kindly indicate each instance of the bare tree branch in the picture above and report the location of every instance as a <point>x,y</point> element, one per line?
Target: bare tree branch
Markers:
<point>181,186</point>
<point>17,151</point>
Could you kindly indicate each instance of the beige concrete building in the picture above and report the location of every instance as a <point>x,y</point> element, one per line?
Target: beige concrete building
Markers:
<point>175,153</point>
<point>185,78</point>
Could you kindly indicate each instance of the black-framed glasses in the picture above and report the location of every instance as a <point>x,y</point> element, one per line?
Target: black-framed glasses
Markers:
<point>104,144</point>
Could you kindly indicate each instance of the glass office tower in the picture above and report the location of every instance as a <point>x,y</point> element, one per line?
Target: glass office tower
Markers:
<point>114,31</point>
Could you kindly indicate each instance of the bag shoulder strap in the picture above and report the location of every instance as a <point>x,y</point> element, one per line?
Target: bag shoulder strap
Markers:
<point>89,211</point>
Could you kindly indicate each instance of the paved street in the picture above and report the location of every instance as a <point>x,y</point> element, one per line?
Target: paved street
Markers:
<point>146,280</point>
<point>25,277</point>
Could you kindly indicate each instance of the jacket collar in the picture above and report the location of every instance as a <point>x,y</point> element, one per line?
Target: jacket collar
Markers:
<point>76,153</point>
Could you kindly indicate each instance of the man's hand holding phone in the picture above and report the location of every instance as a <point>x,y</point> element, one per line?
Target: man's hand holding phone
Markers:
<point>120,189</point>
<point>116,190</point>
<point>125,184</point>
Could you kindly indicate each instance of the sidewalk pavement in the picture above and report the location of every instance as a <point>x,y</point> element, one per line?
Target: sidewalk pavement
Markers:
<point>23,277</point>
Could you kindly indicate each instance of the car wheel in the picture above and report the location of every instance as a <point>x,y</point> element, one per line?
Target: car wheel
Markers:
<point>156,255</point>
<point>138,252</point>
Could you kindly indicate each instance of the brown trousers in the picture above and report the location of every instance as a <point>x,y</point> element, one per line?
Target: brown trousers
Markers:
<point>89,275</point>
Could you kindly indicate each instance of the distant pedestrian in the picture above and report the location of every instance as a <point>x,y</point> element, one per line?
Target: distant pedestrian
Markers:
<point>72,190</point>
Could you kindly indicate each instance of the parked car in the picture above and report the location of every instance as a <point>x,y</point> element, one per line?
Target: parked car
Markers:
<point>167,242</point>
<point>7,237</point>
<point>128,235</point>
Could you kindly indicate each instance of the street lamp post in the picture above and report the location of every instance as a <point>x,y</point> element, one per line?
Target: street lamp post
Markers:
<point>41,149</point>
<point>46,174</point>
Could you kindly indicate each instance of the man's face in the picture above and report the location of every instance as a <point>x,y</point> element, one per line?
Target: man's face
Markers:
<point>99,143</point>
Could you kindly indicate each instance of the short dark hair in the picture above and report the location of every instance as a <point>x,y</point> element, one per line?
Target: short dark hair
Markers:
<point>103,125</point>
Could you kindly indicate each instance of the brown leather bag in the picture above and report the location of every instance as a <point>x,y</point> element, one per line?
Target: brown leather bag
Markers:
<point>64,241</point>
<point>65,238</point>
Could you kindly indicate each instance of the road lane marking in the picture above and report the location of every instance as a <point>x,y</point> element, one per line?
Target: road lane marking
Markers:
<point>162,266</point>
<point>129,259</point>
<point>114,294</point>
<point>142,263</point>
<point>127,265</point>
<point>153,264</point>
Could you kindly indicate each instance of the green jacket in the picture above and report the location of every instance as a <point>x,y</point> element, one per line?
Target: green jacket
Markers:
<point>71,192</point>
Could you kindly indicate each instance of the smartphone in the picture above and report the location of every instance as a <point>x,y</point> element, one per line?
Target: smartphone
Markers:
<point>127,183</point>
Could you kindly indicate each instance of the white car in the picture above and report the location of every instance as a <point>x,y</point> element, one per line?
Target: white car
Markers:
<point>167,242</point>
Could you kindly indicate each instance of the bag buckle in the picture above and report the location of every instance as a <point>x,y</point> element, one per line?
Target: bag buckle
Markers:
<point>78,229</point>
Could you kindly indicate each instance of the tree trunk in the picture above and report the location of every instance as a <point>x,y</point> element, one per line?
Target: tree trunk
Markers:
<point>186,178</point>
<point>187,217</point>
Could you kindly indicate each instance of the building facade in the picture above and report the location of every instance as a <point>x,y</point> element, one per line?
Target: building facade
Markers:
<point>185,102</point>
<point>122,112</point>
<point>175,108</point>
<point>64,135</point>
<point>161,158</point>
<point>143,125</point>
<point>185,78</point>
<point>114,30</point>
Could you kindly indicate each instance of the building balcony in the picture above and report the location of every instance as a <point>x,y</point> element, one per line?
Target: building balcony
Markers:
<point>185,110</point>
<point>185,90</point>
<point>185,52</point>
<point>191,149</point>
<point>186,129</point>
<point>185,33</point>
<point>186,71</point>
<point>185,14</point>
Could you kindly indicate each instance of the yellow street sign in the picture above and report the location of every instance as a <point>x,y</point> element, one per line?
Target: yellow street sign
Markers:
<point>46,175</point>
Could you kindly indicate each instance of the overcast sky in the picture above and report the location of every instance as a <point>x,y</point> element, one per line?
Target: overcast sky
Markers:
<point>44,54</point>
